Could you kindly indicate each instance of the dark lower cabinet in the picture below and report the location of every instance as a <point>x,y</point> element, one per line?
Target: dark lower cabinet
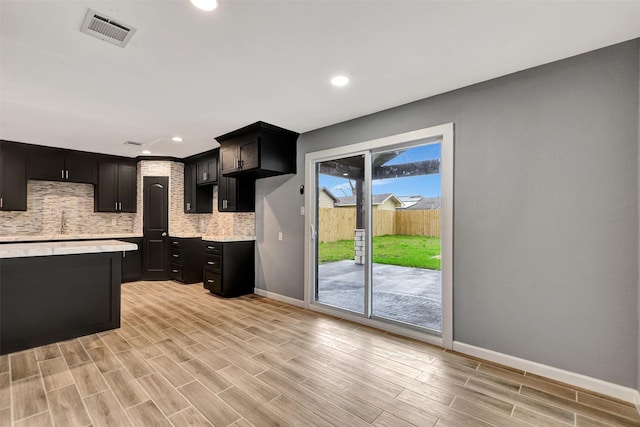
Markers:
<point>229,268</point>
<point>185,259</point>
<point>132,261</point>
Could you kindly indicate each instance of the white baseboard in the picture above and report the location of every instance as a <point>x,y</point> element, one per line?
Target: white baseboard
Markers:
<point>578,380</point>
<point>281,298</point>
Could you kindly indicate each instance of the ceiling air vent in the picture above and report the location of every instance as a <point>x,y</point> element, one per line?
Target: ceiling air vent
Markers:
<point>134,143</point>
<point>106,28</point>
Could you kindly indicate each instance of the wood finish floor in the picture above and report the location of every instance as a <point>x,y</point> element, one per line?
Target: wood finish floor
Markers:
<point>184,357</point>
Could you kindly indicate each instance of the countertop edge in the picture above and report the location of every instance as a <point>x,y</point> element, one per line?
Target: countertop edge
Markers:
<point>37,249</point>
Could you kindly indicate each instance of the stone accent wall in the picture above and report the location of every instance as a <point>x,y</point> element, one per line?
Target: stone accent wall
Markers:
<point>358,246</point>
<point>48,202</point>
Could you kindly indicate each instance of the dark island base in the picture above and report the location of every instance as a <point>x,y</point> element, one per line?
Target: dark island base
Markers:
<point>55,298</point>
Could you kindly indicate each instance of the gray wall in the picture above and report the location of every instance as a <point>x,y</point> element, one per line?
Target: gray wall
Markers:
<point>546,210</point>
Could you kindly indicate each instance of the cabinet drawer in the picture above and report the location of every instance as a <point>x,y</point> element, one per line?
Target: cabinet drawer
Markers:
<point>176,255</point>
<point>176,243</point>
<point>213,263</point>
<point>176,272</point>
<point>213,247</point>
<point>213,282</point>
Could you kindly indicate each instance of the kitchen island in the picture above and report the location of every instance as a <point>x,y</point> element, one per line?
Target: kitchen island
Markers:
<point>54,291</point>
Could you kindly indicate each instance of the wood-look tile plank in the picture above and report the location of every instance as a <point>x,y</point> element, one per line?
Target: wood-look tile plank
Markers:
<point>115,342</point>
<point>536,383</point>
<point>256,389</point>
<point>178,337</point>
<point>55,373</point>
<point>237,358</point>
<point>28,397</point>
<point>146,348</point>
<point>174,351</point>
<point>43,419</point>
<point>295,414</point>
<point>273,349</point>
<point>151,333</point>
<point>49,351</point>
<point>104,359</point>
<point>5,391</point>
<point>190,417</point>
<point>385,419</point>
<point>73,352</point>
<point>125,388</point>
<point>91,341</point>
<point>207,376</point>
<point>23,365</point>
<point>607,405</point>
<point>5,416</point>
<point>535,418</point>
<point>252,410</point>
<point>147,414</point>
<point>582,421</point>
<point>105,410</point>
<point>173,372</point>
<point>88,378</point>
<point>4,363</point>
<point>207,340</point>
<point>206,355</point>
<point>163,394</point>
<point>485,413</point>
<point>128,331</point>
<point>67,408</point>
<point>282,367</point>
<point>209,405</point>
<point>134,363</point>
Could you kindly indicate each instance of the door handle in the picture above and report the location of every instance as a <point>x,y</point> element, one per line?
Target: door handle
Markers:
<point>164,234</point>
<point>313,232</point>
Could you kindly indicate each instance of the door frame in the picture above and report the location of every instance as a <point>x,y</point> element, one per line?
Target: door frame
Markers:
<point>445,135</point>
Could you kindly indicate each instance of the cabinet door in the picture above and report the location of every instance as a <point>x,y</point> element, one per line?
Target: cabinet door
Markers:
<point>249,154</point>
<point>207,171</point>
<point>190,188</point>
<point>228,157</point>
<point>127,187</point>
<point>13,178</point>
<point>132,262</point>
<point>223,193</point>
<point>107,189</point>
<point>47,164</point>
<point>80,167</point>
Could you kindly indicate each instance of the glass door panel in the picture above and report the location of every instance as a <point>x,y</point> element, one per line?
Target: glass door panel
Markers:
<point>340,234</point>
<point>405,228</point>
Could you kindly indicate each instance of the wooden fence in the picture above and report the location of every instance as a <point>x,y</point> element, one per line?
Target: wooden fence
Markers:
<point>339,223</point>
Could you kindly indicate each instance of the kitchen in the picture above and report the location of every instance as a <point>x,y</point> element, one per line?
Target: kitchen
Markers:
<point>266,358</point>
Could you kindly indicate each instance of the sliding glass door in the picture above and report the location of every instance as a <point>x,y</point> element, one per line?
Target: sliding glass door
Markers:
<point>379,231</point>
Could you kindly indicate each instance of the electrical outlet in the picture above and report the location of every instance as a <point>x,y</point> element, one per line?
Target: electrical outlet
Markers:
<point>302,210</point>
<point>280,235</point>
<point>113,222</point>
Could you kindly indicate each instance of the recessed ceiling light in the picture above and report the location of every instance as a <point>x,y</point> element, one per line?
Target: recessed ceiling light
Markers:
<point>206,5</point>
<point>340,81</point>
<point>146,152</point>
<point>176,139</point>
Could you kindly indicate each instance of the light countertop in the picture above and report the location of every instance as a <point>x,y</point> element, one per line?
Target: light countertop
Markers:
<point>23,250</point>
<point>52,237</point>
<point>227,238</point>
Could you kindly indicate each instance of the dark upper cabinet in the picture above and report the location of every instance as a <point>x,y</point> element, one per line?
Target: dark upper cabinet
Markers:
<point>117,186</point>
<point>197,198</point>
<point>257,151</point>
<point>54,164</point>
<point>207,170</point>
<point>236,194</point>
<point>13,177</point>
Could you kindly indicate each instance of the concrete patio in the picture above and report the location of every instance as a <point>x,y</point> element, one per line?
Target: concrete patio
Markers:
<point>404,294</point>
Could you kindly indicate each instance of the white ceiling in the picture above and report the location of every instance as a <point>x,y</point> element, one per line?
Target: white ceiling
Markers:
<point>199,75</point>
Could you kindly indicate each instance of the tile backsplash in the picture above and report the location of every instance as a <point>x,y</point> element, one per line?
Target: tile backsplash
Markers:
<point>62,208</point>
<point>68,208</point>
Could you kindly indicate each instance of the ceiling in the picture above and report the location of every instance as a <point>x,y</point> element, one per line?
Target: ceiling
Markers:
<point>199,75</point>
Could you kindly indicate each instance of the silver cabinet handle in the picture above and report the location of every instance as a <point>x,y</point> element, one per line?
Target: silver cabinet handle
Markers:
<point>210,247</point>
<point>188,206</point>
<point>66,173</point>
<point>175,255</point>
<point>211,263</point>
<point>174,271</point>
<point>120,205</point>
<point>116,205</point>
<point>62,173</point>
<point>1,202</point>
<point>210,281</point>
<point>205,176</point>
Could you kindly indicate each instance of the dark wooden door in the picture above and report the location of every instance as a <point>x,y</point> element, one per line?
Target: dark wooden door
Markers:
<point>155,191</point>
<point>127,183</point>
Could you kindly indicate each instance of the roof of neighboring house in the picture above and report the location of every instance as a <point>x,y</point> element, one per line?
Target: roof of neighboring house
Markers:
<point>330,194</point>
<point>420,203</point>
<point>377,200</point>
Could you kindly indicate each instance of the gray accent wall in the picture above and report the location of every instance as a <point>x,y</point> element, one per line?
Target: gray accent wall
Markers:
<point>545,210</point>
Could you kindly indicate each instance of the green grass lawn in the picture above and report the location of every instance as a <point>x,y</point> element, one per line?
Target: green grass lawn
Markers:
<point>407,251</point>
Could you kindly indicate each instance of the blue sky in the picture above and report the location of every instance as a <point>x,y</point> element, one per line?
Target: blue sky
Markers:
<point>425,185</point>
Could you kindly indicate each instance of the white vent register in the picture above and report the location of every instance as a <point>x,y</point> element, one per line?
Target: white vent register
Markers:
<point>105,28</point>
